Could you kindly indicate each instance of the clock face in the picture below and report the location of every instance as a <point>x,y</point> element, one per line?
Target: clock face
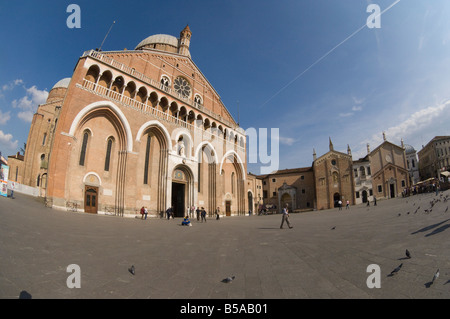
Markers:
<point>182,87</point>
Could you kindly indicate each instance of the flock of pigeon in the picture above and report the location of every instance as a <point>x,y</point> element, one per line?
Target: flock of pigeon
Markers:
<point>427,210</point>
<point>408,255</point>
<point>433,202</point>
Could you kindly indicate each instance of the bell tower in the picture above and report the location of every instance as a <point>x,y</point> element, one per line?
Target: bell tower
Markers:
<point>185,40</point>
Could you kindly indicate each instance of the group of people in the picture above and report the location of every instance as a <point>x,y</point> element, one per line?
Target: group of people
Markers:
<point>201,215</point>
<point>202,212</point>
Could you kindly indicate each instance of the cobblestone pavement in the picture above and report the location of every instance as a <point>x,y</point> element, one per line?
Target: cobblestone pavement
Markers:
<point>325,255</point>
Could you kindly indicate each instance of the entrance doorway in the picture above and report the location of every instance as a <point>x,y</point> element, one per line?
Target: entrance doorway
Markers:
<point>228,208</point>
<point>364,196</point>
<point>250,202</point>
<point>392,190</point>
<point>178,199</point>
<point>336,198</point>
<point>90,199</point>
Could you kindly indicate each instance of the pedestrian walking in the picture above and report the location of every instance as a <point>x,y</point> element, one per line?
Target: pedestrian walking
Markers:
<point>340,205</point>
<point>374,201</point>
<point>217,213</point>
<point>203,214</point>
<point>285,217</point>
<point>142,212</point>
<point>348,205</point>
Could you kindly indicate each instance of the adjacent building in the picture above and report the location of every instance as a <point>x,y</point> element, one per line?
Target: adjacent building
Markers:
<point>434,158</point>
<point>335,177</point>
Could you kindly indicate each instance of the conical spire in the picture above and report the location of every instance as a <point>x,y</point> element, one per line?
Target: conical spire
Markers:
<point>331,145</point>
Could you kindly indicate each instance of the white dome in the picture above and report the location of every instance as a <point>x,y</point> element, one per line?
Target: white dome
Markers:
<point>159,39</point>
<point>64,83</point>
<point>409,149</point>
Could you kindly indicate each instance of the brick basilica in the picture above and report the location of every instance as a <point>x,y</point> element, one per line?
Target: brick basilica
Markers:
<point>135,128</point>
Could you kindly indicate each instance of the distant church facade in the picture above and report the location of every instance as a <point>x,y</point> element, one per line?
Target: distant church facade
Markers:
<point>137,128</point>
<point>335,177</point>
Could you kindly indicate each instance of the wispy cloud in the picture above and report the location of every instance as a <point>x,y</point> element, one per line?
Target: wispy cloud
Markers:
<point>4,117</point>
<point>424,121</point>
<point>345,114</point>
<point>29,103</point>
<point>11,85</point>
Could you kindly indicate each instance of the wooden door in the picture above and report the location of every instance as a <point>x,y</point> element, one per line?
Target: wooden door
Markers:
<point>228,207</point>
<point>91,200</point>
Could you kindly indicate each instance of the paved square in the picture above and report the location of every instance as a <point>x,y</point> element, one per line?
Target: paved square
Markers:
<point>312,260</point>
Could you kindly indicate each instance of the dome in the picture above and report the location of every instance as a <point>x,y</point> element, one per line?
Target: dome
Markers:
<point>64,83</point>
<point>409,149</point>
<point>158,39</point>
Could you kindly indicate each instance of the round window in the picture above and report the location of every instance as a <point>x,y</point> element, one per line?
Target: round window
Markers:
<point>182,87</point>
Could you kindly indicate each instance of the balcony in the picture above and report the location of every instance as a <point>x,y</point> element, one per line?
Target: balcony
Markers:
<point>157,85</point>
<point>152,111</point>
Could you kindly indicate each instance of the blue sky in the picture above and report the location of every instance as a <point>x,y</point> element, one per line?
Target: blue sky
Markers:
<point>273,59</point>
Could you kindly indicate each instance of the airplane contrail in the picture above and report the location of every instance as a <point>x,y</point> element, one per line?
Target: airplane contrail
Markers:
<point>328,53</point>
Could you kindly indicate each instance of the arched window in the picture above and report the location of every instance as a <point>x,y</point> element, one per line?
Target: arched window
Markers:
<point>165,82</point>
<point>109,146</point>
<point>198,100</point>
<point>147,159</point>
<point>362,171</point>
<point>84,148</point>
<point>232,183</point>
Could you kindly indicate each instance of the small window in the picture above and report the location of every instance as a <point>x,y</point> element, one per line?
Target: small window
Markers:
<point>108,154</point>
<point>380,188</point>
<point>274,193</point>
<point>357,194</point>
<point>274,180</point>
<point>83,148</point>
<point>44,138</point>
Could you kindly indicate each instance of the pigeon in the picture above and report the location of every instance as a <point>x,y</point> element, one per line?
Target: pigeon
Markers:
<point>396,270</point>
<point>333,228</point>
<point>228,279</point>
<point>399,214</point>
<point>436,276</point>
<point>131,270</point>
<point>446,209</point>
<point>408,254</point>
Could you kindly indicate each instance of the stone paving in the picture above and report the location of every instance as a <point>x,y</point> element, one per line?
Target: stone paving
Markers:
<point>325,255</point>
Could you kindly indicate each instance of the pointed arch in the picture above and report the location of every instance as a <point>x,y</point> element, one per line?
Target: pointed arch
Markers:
<point>157,124</point>
<point>114,109</point>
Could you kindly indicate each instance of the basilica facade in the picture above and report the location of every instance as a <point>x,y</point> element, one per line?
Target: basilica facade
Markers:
<point>135,128</point>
